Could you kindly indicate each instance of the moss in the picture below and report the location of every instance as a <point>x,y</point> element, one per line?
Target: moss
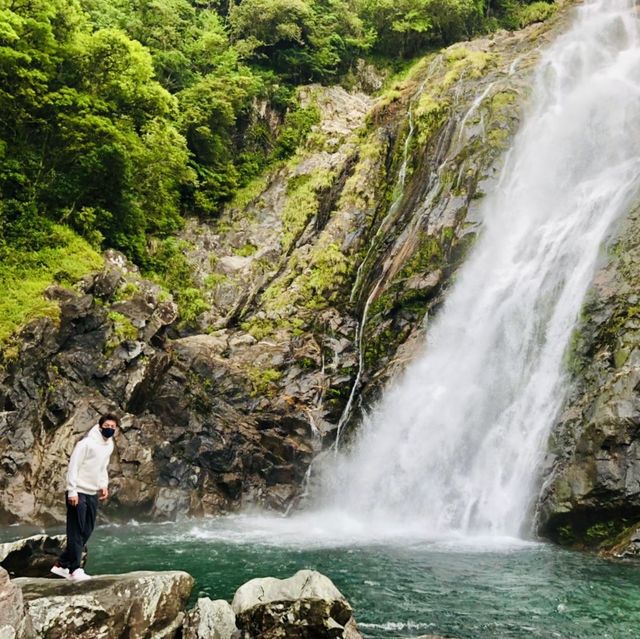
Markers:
<point>171,268</point>
<point>430,114</point>
<point>306,363</point>
<point>277,297</point>
<point>249,193</point>
<point>371,156</point>
<point>405,75</point>
<point>246,251</point>
<point>319,283</point>
<point>503,100</point>
<point>191,304</point>
<point>535,12</point>
<point>122,331</point>
<point>263,380</point>
<point>24,276</point>
<point>390,96</point>
<point>258,327</point>
<point>302,204</point>
<point>213,280</point>
<point>498,139</point>
<point>463,62</point>
<point>126,292</point>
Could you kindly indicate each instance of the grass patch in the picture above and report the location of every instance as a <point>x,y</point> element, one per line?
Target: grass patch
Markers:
<point>24,276</point>
<point>263,380</point>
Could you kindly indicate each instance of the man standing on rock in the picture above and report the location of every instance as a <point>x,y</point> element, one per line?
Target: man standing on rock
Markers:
<point>87,482</point>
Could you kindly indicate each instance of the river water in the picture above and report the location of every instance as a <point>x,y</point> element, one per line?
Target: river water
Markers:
<point>481,589</point>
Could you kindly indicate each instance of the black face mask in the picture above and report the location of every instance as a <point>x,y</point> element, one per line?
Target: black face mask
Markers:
<point>108,432</point>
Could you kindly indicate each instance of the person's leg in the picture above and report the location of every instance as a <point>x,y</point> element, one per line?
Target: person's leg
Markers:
<point>90,517</point>
<point>72,554</point>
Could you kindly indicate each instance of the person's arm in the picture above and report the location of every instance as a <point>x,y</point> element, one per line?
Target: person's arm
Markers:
<point>77,457</point>
<point>104,480</point>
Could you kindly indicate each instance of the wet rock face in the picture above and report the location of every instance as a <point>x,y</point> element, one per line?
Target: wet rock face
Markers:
<point>591,495</point>
<point>305,606</point>
<point>138,605</point>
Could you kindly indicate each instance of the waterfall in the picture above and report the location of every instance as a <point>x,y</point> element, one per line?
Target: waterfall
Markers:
<point>455,445</point>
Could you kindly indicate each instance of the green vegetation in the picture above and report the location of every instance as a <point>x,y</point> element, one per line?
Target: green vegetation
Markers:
<point>170,267</point>
<point>302,203</point>
<point>263,380</point>
<point>119,116</point>
<point>24,276</point>
<point>123,331</point>
<point>516,15</point>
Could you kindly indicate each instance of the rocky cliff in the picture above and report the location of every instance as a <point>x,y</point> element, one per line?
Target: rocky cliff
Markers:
<point>318,277</point>
<point>591,496</point>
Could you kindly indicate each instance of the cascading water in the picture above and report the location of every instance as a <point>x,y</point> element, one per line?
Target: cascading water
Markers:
<point>455,445</point>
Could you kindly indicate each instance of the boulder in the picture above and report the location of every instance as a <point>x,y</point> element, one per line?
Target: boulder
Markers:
<point>305,606</point>
<point>210,620</point>
<point>137,605</point>
<point>13,622</point>
<point>32,556</point>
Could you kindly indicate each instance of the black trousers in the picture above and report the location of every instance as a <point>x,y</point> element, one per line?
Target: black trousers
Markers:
<point>81,520</point>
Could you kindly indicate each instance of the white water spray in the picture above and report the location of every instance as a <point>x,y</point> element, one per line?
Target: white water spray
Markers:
<point>454,447</point>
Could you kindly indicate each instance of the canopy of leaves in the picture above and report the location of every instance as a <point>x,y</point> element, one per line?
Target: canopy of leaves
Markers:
<point>120,115</point>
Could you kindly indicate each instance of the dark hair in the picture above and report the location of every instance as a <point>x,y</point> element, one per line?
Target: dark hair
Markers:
<point>109,417</point>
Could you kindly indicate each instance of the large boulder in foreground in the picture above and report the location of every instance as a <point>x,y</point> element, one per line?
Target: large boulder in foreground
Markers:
<point>210,620</point>
<point>305,606</point>
<point>136,605</point>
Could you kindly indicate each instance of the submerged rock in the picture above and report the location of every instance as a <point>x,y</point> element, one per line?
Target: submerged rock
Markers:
<point>210,620</point>
<point>305,606</point>
<point>137,605</point>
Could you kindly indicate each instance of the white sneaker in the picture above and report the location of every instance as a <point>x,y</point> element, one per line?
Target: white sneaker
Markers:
<point>60,571</point>
<point>79,575</point>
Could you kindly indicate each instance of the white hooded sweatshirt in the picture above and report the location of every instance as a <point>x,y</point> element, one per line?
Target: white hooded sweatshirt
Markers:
<point>87,471</point>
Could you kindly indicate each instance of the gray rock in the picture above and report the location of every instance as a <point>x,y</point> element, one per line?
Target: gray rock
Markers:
<point>32,556</point>
<point>305,606</point>
<point>13,623</point>
<point>137,605</point>
<point>210,620</point>
<point>591,493</point>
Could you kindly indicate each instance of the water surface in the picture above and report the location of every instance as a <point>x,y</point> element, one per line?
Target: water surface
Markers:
<point>468,589</point>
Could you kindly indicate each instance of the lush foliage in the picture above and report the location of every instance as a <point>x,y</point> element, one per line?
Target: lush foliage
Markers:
<point>120,115</point>
<point>24,276</point>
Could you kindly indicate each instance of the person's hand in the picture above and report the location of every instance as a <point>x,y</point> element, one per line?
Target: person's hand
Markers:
<point>104,493</point>
<point>73,501</point>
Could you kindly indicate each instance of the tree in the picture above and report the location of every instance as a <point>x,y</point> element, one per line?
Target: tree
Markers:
<point>303,40</point>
